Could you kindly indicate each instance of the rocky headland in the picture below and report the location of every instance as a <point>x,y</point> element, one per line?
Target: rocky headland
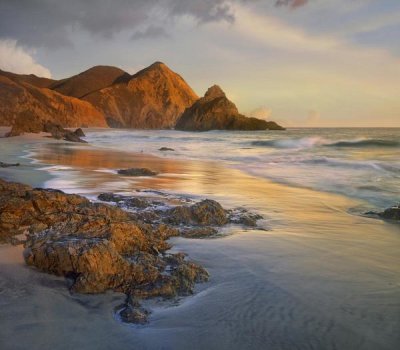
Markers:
<point>104,96</point>
<point>121,247</point>
<point>215,111</point>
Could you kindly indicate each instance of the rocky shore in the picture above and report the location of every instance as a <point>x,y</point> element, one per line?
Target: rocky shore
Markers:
<point>121,247</point>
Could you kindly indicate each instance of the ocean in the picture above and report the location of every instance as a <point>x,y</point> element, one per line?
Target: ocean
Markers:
<point>316,274</point>
<point>362,163</point>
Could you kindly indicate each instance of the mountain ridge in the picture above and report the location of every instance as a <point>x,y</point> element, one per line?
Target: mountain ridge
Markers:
<point>155,97</point>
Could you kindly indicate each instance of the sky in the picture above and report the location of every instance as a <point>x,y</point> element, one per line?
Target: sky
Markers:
<point>305,63</point>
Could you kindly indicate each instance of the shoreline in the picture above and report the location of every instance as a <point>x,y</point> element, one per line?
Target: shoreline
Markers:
<point>280,276</point>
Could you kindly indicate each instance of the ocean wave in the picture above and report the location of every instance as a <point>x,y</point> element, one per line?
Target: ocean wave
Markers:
<point>309,142</point>
<point>366,143</point>
<point>305,142</point>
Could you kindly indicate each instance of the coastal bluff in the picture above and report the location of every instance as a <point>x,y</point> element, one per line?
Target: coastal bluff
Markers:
<point>104,96</point>
<point>215,111</point>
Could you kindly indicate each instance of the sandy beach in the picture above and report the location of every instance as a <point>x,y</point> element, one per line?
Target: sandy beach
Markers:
<point>316,277</point>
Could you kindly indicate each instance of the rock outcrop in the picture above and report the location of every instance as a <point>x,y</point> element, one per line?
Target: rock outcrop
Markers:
<point>26,122</point>
<point>105,96</point>
<point>45,105</point>
<point>100,247</point>
<point>97,246</point>
<point>153,98</point>
<point>215,111</point>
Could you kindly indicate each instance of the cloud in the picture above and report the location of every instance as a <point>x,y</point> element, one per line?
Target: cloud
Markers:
<point>17,60</point>
<point>261,112</point>
<point>50,23</point>
<point>291,3</point>
<point>150,32</point>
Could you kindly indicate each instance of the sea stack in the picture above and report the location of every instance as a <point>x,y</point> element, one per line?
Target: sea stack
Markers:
<point>215,111</point>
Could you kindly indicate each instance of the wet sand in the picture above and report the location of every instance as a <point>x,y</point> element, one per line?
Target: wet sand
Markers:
<point>321,278</point>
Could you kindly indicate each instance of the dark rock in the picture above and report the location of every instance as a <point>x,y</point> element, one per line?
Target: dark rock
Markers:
<point>72,137</point>
<point>27,122</point>
<point>241,216</point>
<point>129,202</point>
<point>164,149</point>
<point>7,165</point>
<point>215,112</point>
<point>56,130</point>
<point>137,172</point>
<point>392,213</point>
<point>79,132</point>
<point>132,312</point>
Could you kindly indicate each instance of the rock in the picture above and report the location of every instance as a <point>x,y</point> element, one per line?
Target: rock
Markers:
<point>241,216</point>
<point>392,213</point>
<point>137,172</point>
<point>164,149</point>
<point>198,232</point>
<point>153,98</point>
<point>26,106</point>
<point>73,137</point>
<point>93,79</point>
<point>124,201</point>
<point>79,132</point>
<point>215,112</point>
<point>206,212</point>
<point>97,246</point>
<point>132,312</point>
<point>7,165</point>
<point>26,122</point>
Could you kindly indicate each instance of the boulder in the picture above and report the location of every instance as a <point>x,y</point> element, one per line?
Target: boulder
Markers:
<point>206,212</point>
<point>79,132</point>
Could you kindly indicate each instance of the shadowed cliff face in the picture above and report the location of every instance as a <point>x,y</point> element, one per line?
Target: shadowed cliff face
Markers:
<point>215,111</point>
<point>20,97</point>
<point>152,98</point>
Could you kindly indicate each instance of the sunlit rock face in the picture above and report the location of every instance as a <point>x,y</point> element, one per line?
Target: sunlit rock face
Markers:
<point>153,98</point>
<point>20,97</point>
<point>215,111</point>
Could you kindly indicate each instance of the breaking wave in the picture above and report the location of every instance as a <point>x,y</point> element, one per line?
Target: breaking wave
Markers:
<point>309,142</point>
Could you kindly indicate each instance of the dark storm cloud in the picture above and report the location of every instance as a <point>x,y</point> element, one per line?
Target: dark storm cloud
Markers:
<point>50,22</point>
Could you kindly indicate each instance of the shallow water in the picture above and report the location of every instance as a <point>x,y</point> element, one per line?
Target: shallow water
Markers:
<point>358,162</point>
<point>321,278</point>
